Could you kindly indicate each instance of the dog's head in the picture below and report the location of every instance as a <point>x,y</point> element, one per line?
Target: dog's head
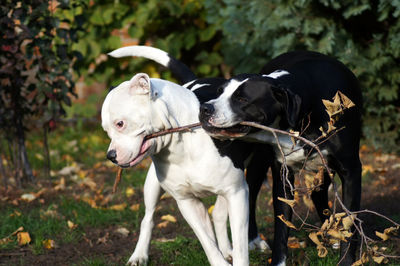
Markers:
<point>256,98</point>
<point>126,117</point>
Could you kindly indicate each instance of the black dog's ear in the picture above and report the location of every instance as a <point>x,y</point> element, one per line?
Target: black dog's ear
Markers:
<point>291,104</point>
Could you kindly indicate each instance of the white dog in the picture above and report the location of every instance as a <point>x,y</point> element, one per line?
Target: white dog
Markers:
<point>186,165</point>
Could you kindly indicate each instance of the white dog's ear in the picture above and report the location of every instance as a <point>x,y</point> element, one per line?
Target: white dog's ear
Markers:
<point>139,84</point>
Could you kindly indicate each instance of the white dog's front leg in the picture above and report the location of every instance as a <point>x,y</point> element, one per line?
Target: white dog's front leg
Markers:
<point>238,206</point>
<point>197,217</point>
<point>151,193</point>
<point>220,218</point>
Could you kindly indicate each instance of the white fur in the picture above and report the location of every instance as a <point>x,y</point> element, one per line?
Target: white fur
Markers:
<point>186,165</point>
<point>276,74</point>
<point>151,53</point>
<point>223,115</point>
<point>198,86</point>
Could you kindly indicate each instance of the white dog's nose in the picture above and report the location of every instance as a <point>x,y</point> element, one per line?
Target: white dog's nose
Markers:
<point>112,156</point>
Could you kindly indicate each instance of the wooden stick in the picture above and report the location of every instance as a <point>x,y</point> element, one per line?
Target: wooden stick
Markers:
<point>172,130</point>
<point>117,179</point>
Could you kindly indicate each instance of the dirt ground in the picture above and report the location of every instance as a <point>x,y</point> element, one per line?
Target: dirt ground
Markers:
<point>381,193</point>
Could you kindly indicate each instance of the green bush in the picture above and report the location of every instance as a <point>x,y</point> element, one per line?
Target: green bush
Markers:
<point>364,35</point>
<point>215,37</point>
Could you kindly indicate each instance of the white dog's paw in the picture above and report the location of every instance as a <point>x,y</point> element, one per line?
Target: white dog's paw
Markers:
<point>136,260</point>
<point>227,253</point>
<point>258,243</point>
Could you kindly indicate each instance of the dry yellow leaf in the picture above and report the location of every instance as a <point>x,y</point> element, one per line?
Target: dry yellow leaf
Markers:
<point>135,207</point>
<point>289,202</point>
<point>383,236</point>
<point>364,259</point>
<point>391,230</point>
<point>23,238</point>
<point>15,213</point>
<point>378,259</point>
<point>348,221</point>
<point>210,210</point>
<point>314,238</point>
<point>308,202</point>
<point>336,234</point>
<point>5,240</point>
<point>49,244</point>
<point>340,214</point>
<point>71,225</point>
<point>322,251</point>
<point>60,185</point>
<point>168,218</point>
<point>129,192</point>
<point>118,207</point>
<point>162,224</point>
<point>288,224</point>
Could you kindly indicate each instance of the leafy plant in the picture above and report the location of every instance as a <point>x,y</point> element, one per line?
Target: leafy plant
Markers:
<point>35,74</point>
<point>364,35</point>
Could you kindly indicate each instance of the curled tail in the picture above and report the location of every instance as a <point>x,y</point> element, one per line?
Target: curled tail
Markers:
<point>179,69</point>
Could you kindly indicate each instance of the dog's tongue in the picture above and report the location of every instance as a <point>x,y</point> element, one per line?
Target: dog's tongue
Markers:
<point>144,146</point>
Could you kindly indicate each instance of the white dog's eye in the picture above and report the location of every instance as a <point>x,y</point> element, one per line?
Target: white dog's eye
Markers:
<point>120,124</point>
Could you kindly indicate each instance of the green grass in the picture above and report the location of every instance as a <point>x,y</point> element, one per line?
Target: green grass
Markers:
<point>182,251</point>
<point>41,226</point>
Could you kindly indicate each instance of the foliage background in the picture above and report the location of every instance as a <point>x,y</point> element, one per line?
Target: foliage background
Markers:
<point>232,36</point>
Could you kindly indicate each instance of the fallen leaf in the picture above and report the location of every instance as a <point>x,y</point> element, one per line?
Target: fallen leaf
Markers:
<point>103,240</point>
<point>49,244</point>
<point>23,238</point>
<point>71,225</point>
<point>60,185</point>
<point>293,242</point>
<point>165,240</point>
<point>165,196</point>
<point>89,183</point>
<point>28,197</point>
<point>15,213</point>
<point>162,224</point>
<point>135,207</point>
<point>122,231</point>
<point>129,192</point>
<point>118,207</point>
<point>168,218</point>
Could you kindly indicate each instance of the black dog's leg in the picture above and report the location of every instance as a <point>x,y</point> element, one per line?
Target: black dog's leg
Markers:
<point>349,171</point>
<point>281,234</point>
<point>256,174</point>
<point>320,198</point>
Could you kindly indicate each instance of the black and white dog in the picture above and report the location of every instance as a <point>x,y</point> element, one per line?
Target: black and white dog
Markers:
<point>290,97</point>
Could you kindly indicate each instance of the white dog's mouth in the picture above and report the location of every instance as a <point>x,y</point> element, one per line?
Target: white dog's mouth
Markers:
<point>142,154</point>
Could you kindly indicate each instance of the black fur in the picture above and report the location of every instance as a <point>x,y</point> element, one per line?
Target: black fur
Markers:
<point>296,99</point>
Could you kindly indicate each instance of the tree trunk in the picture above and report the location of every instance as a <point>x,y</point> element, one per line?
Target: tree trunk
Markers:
<point>27,170</point>
<point>47,163</point>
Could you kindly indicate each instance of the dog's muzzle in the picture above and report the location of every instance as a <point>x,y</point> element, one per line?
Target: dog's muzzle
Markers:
<point>206,113</point>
